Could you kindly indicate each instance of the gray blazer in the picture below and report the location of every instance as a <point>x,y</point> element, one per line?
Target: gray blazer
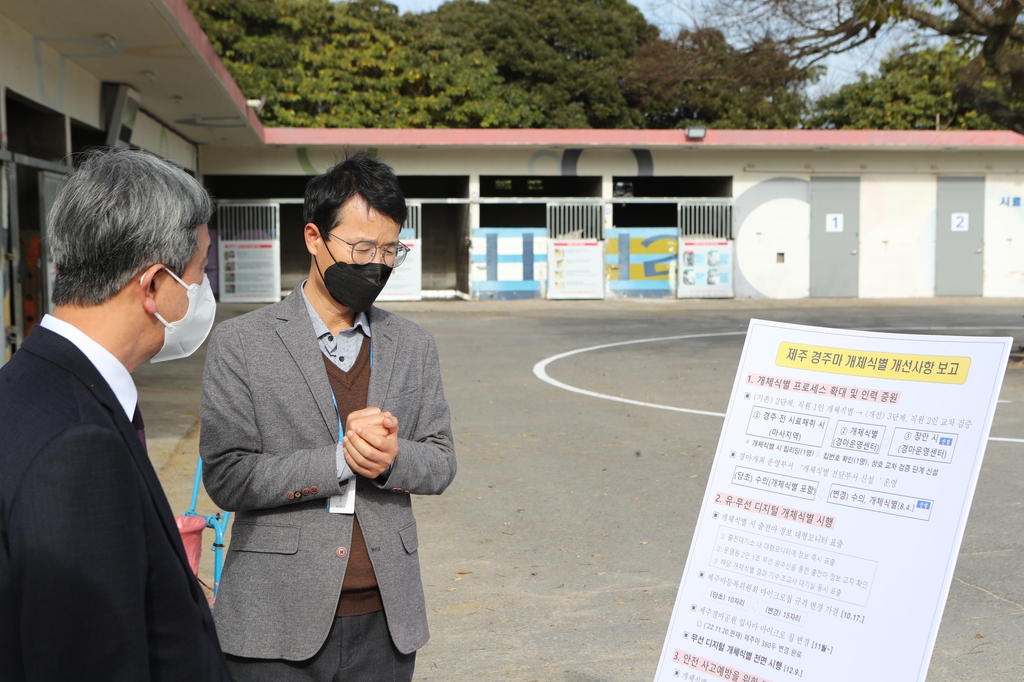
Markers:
<point>268,440</point>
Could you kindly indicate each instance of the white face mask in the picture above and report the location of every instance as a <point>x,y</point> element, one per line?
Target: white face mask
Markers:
<point>182,338</point>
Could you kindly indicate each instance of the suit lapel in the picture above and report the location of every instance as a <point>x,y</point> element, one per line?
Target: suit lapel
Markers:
<point>296,332</point>
<point>385,348</point>
<point>57,349</point>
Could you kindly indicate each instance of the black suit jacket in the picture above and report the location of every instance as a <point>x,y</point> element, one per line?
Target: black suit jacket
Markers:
<point>94,582</point>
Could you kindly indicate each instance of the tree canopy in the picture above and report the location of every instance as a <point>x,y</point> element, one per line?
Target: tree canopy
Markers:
<point>991,32</point>
<point>912,88</point>
<point>600,64</point>
<point>700,79</point>
<point>358,64</point>
<point>567,54</point>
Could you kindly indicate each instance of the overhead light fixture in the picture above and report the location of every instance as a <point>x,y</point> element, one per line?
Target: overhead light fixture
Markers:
<point>151,75</point>
<point>696,132</point>
<point>109,40</point>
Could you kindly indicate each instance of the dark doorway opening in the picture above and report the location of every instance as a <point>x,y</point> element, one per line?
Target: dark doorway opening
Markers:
<point>645,215</point>
<point>683,186</point>
<point>513,215</point>
<point>540,186</point>
<point>434,186</point>
<point>444,234</point>
<point>34,130</point>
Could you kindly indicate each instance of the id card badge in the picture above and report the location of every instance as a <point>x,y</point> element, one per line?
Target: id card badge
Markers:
<point>345,503</point>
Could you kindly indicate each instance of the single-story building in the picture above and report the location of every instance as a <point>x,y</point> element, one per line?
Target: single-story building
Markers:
<point>500,213</point>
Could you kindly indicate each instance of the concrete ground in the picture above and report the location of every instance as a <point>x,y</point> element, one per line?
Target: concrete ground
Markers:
<point>557,551</point>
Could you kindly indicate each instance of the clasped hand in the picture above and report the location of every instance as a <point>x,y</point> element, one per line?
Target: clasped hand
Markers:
<point>371,441</point>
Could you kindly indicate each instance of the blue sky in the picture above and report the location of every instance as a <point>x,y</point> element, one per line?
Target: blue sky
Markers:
<point>668,15</point>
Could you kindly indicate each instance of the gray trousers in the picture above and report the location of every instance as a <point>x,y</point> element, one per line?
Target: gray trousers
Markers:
<point>358,648</point>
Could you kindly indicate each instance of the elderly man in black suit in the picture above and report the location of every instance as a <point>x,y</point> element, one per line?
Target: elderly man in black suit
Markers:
<point>94,582</point>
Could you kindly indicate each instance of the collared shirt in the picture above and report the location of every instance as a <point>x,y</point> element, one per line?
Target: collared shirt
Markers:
<point>109,367</point>
<point>343,347</point>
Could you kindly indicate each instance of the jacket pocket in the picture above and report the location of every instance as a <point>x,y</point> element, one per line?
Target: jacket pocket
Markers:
<point>410,540</point>
<point>270,538</point>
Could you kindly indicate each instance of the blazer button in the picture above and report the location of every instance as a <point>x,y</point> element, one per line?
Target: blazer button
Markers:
<point>313,489</point>
<point>396,490</point>
<point>306,491</point>
<point>342,552</point>
<point>290,495</point>
<point>298,494</point>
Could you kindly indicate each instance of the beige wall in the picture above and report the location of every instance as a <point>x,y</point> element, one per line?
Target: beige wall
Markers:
<point>153,136</point>
<point>35,70</point>
<point>1004,236</point>
<point>897,236</point>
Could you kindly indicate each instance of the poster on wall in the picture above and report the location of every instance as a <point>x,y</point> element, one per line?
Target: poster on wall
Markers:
<point>576,269</point>
<point>836,505</point>
<point>406,281</point>
<point>250,271</point>
<point>705,268</point>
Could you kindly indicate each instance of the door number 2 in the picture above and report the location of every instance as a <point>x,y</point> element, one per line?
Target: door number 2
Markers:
<point>960,222</point>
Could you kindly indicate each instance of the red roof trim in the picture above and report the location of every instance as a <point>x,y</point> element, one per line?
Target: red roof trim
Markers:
<point>386,137</point>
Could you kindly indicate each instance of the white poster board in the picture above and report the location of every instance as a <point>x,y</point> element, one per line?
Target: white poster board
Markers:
<point>406,281</point>
<point>575,269</point>
<point>250,271</point>
<point>705,268</point>
<point>837,501</point>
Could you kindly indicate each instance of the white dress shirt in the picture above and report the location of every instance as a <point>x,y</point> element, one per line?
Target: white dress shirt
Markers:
<point>109,367</point>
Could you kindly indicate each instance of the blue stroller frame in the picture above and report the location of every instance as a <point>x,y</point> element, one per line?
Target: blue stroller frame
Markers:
<point>217,522</point>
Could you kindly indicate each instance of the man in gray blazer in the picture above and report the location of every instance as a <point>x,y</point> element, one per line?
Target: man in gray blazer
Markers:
<point>321,415</point>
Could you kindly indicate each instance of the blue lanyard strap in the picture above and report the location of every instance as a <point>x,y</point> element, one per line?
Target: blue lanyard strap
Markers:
<point>341,427</point>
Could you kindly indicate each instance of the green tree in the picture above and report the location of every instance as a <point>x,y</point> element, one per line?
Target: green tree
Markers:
<point>568,55</point>
<point>356,64</point>
<point>913,86</point>
<point>700,79</point>
<point>990,82</point>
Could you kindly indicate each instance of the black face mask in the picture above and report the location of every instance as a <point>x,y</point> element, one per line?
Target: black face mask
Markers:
<point>354,286</point>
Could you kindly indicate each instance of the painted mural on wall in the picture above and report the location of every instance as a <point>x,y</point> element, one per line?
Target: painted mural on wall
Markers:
<point>508,262</point>
<point>641,262</point>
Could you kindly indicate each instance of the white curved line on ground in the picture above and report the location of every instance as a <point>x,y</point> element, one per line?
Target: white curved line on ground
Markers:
<point>540,369</point>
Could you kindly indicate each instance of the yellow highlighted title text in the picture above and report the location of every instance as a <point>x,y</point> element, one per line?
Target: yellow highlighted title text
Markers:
<point>881,365</point>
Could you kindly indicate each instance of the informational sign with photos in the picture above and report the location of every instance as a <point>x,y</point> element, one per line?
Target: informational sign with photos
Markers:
<point>705,268</point>
<point>406,281</point>
<point>835,509</point>
<point>250,271</point>
<point>575,269</point>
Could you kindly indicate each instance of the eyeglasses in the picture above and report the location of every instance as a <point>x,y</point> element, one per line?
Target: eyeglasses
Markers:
<point>365,252</point>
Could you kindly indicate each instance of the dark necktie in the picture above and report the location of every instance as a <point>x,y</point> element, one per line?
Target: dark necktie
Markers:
<point>140,427</point>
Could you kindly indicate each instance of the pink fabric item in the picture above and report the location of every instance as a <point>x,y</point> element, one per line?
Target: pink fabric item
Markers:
<point>191,529</point>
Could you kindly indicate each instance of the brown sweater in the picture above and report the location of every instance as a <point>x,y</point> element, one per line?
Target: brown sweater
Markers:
<point>359,592</point>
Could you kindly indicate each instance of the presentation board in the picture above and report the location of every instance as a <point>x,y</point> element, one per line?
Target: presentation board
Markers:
<point>837,501</point>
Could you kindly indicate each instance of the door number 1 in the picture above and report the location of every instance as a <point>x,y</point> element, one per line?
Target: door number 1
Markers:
<point>833,222</point>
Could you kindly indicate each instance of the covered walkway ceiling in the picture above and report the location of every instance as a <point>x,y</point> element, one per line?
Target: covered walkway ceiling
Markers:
<point>156,47</point>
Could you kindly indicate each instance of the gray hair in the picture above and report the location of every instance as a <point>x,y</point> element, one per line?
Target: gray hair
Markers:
<point>119,213</point>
